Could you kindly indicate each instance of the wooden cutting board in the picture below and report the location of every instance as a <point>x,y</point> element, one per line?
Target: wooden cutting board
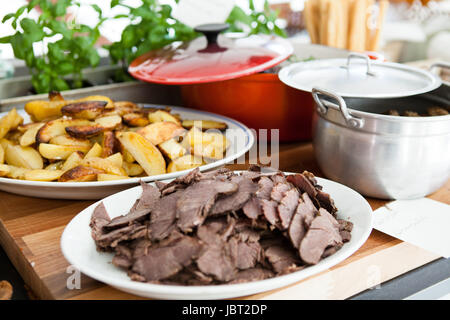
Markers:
<point>30,230</point>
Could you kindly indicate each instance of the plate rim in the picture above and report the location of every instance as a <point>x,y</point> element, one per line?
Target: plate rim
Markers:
<point>226,290</point>
<point>250,141</point>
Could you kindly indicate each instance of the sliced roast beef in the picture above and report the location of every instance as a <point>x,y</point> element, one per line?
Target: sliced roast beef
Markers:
<point>99,219</point>
<point>345,235</point>
<point>265,186</point>
<point>111,239</point>
<point>235,202</point>
<point>281,257</point>
<point>321,234</point>
<point>345,225</point>
<point>197,200</point>
<point>279,190</point>
<point>163,217</point>
<point>278,177</point>
<point>301,221</point>
<point>253,274</point>
<point>163,262</point>
<point>310,177</point>
<point>331,250</point>
<point>287,207</point>
<point>252,208</point>
<point>150,195</point>
<point>303,183</point>
<point>247,253</point>
<point>217,260</point>
<point>307,200</point>
<point>326,202</point>
<point>269,209</point>
<point>180,182</point>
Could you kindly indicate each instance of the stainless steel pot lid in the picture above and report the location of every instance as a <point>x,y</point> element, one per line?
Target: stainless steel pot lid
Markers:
<point>362,78</point>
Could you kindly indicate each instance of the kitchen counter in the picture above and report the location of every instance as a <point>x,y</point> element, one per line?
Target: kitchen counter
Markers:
<point>30,229</point>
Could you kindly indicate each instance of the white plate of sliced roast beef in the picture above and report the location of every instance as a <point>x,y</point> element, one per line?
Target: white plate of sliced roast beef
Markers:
<point>219,234</point>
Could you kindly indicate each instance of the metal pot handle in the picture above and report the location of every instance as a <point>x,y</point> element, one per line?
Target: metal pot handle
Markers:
<point>360,56</point>
<point>444,65</point>
<point>323,105</point>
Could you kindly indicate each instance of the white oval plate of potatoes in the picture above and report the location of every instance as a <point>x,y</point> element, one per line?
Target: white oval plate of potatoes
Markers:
<point>85,154</point>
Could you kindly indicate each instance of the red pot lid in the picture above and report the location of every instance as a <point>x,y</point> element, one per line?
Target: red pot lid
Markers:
<point>211,58</point>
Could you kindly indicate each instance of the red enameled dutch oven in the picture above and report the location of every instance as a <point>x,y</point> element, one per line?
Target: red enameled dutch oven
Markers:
<point>222,74</point>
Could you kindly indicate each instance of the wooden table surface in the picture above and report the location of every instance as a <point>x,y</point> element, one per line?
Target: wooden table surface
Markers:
<point>30,231</point>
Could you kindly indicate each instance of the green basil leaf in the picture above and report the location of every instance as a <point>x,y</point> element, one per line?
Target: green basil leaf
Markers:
<point>7,17</point>
<point>114,3</point>
<point>128,37</point>
<point>59,84</point>
<point>33,30</point>
<point>60,27</point>
<point>60,7</point>
<point>97,9</point>
<point>93,57</point>
<point>6,39</point>
<point>64,68</point>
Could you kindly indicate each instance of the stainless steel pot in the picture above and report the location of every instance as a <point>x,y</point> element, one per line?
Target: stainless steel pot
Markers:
<point>381,156</point>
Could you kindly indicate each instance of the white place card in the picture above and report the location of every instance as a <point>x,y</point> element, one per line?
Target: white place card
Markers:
<point>197,12</point>
<point>423,222</point>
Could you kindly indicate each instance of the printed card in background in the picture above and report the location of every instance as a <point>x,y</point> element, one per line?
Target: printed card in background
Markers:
<point>423,222</point>
<point>197,12</point>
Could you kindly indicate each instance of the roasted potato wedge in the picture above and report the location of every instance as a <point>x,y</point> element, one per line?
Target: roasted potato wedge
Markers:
<point>84,132</point>
<point>25,157</point>
<point>5,143</point>
<point>4,170</point>
<point>116,158</point>
<point>159,132</point>
<point>145,153</point>
<point>95,151</point>
<point>109,122</point>
<point>184,163</point>
<point>204,124</point>
<point>84,110</point>
<point>57,165</point>
<point>25,127</point>
<point>105,165</point>
<point>172,149</point>
<point>132,169</point>
<point>17,172</point>
<point>55,96</point>
<point>40,110</point>
<point>2,154</point>
<point>109,144</point>
<point>110,177</point>
<point>43,175</point>
<point>162,115</point>
<point>44,110</point>
<point>72,161</point>
<point>208,144</point>
<point>29,136</point>
<point>56,128</point>
<point>66,140</point>
<point>58,152</point>
<point>127,157</point>
<point>109,102</point>
<point>124,107</point>
<point>9,122</point>
<point>135,119</point>
<point>80,174</point>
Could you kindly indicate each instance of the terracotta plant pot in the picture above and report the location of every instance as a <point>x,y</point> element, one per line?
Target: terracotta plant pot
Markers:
<point>260,101</point>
